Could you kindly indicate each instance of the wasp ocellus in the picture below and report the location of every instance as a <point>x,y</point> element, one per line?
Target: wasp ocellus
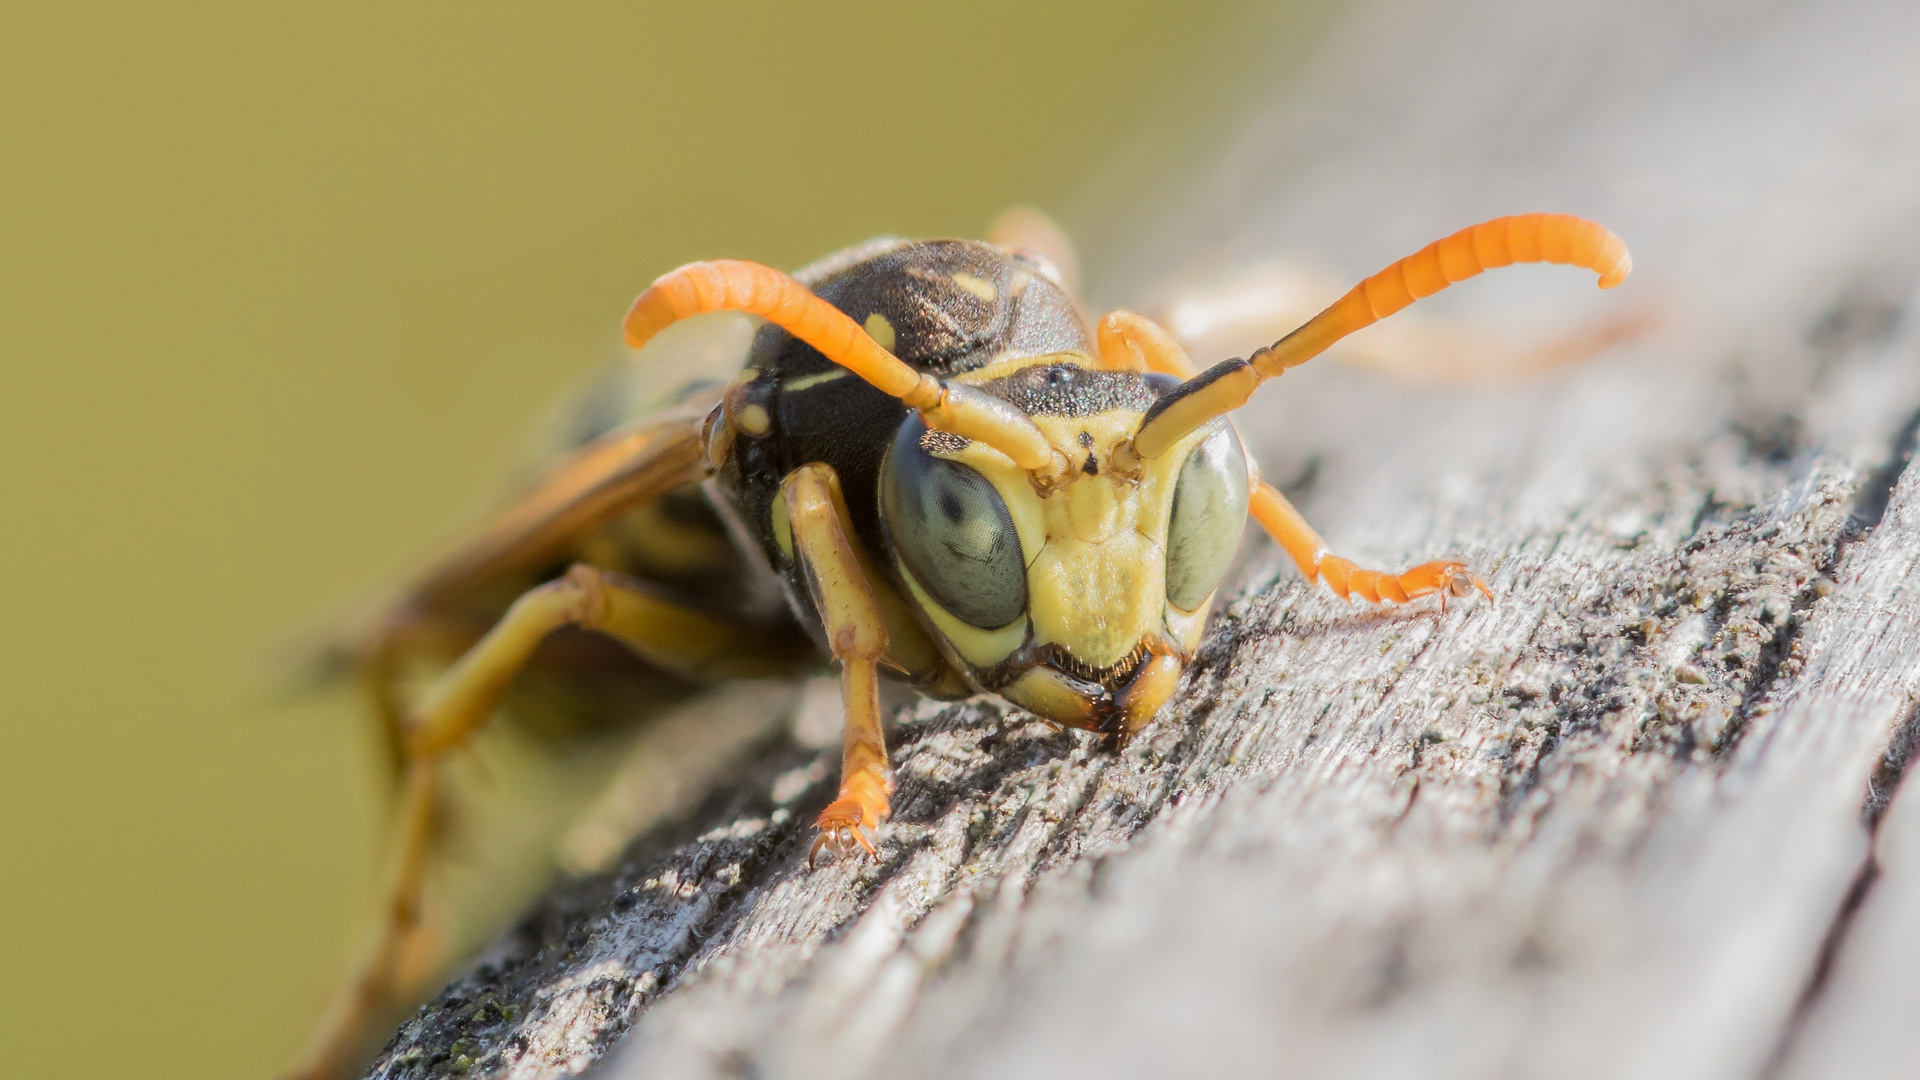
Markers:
<point>915,458</point>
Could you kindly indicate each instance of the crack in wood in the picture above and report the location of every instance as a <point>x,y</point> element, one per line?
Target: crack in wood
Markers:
<point>1881,786</point>
<point>1871,506</point>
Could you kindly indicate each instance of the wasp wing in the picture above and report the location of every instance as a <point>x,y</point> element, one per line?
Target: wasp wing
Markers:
<point>589,487</point>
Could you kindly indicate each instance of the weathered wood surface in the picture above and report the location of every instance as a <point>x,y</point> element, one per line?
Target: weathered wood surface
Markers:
<point>1640,819</point>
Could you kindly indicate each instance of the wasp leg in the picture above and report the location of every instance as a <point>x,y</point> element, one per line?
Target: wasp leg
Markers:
<point>406,634</point>
<point>1130,341</point>
<point>1027,231</point>
<point>459,702</point>
<point>1310,554</point>
<point>597,482</point>
<point>856,631</point>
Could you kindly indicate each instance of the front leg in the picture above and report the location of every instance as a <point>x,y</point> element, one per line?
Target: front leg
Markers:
<point>857,634</point>
<point>1291,531</point>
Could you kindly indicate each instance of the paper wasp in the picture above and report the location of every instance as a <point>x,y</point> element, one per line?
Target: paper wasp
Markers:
<point>927,464</point>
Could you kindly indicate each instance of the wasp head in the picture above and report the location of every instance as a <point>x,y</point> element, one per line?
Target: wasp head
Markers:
<point>1081,596</point>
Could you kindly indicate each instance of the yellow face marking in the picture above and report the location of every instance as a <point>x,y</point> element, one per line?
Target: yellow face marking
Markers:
<point>1186,628</point>
<point>1095,549</point>
<point>980,648</point>
<point>880,330</point>
<point>754,420</point>
<point>1093,510</point>
<point>807,382</point>
<point>978,286</point>
<point>1097,587</point>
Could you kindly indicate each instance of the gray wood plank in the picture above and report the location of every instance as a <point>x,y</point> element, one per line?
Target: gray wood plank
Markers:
<point>1609,827</point>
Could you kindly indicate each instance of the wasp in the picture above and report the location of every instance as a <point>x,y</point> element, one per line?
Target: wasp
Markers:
<point>919,459</point>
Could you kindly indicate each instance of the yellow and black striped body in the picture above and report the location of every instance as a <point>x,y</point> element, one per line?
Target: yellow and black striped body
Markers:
<point>974,314</point>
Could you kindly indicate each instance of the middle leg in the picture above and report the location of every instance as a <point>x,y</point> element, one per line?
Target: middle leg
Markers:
<point>1129,341</point>
<point>452,710</point>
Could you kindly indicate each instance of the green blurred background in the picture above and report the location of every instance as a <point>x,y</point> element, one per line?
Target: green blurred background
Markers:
<point>276,285</point>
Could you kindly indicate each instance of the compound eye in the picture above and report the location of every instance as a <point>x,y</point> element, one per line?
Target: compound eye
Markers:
<point>1209,511</point>
<point>953,532</point>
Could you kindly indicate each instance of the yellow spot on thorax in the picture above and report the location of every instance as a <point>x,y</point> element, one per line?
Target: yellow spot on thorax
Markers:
<point>754,420</point>
<point>880,330</point>
<point>978,286</point>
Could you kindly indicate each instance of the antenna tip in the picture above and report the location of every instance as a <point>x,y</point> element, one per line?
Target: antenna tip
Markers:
<point>1619,272</point>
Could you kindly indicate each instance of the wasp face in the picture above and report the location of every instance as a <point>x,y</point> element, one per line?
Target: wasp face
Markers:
<point>1084,601</point>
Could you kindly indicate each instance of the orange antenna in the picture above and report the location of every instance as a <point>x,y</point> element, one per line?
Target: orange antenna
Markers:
<point>1520,238</point>
<point>733,285</point>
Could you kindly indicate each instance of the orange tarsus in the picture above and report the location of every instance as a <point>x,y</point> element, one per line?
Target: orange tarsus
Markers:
<point>841,819</point>
<point>1443,576</point>
<point>1282,522</point>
